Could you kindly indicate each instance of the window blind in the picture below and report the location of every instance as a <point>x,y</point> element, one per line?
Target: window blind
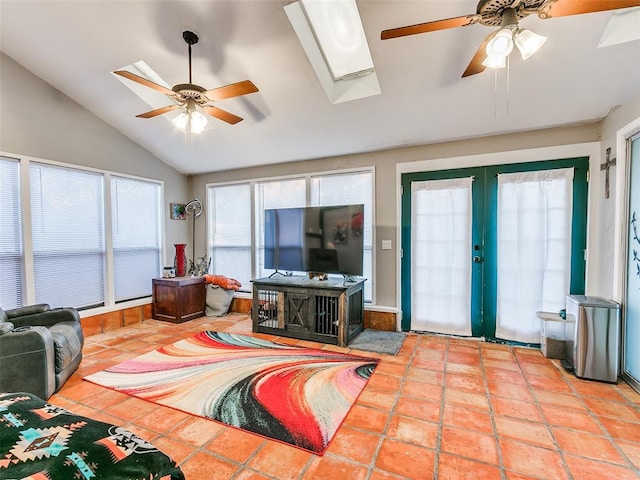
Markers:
<point>276,194</point>
<point>230,208</point>
<point>230,232</point>
<point>135,213</point>
<point>67,223</point>
<point>348,189</point>
<point>11,261</point>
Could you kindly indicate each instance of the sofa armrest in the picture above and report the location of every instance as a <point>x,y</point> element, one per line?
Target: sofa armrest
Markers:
<point>28,310</point>
<point>47,318</point>
<point>27,361</point>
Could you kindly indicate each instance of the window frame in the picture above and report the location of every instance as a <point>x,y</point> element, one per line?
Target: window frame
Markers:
<point>255,214</point>
<point>109,179</point>
<point>29,294</point>
<point>17,256</point>
<point>89,259</point>
<point>209,227</point>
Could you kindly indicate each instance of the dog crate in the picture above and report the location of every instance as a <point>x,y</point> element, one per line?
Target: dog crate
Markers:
<point>328,311</point>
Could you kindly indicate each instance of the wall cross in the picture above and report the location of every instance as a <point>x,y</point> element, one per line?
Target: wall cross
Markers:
<point>610,162</point>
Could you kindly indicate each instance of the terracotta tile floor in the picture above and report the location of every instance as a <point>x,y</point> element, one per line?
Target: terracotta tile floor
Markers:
<point>443,408</point>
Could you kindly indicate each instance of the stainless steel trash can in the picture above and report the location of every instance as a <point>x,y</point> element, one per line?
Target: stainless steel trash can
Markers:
<point>593,337</point>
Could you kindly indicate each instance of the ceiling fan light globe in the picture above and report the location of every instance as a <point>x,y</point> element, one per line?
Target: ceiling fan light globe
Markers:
<point>181,121</point>
<point>528,42</point>
<point>495,61</point>
<point>501,44</point>
<point>198,122</point>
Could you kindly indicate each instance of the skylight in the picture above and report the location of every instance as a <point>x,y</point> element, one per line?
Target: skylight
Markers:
<point>333,38</point>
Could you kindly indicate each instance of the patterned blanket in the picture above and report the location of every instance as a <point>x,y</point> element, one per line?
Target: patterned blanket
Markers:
<point>40,441</point>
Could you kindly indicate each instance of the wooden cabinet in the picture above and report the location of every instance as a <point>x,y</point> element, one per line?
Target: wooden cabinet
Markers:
<point>328,311</point>
<point>179,299</point>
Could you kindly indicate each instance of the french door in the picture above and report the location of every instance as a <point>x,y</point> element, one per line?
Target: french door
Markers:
<point>485,248</point>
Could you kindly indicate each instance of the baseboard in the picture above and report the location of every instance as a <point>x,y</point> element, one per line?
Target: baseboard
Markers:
<point>241,305</point>
<point>385,321</point>
<point>106,322</point>
<point>372,319</point>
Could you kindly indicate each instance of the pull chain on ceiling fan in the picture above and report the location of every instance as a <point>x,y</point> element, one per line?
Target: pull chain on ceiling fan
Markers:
<point>506,13</point>
<point>192,98</point>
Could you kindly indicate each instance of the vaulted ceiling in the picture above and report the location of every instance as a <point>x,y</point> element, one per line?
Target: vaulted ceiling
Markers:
<point>74,45</point>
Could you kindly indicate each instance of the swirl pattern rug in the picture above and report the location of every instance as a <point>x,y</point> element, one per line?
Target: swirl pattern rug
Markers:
<point>295,395</point>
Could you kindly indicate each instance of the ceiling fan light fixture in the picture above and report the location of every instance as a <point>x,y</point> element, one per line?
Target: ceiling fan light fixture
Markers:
<point>181,121</point>
<point>528,42</point>
<point>198,122</point>
<point>495,61</point>
<point>190,119</point>
<point>507,14</point>
<point>501,44</point>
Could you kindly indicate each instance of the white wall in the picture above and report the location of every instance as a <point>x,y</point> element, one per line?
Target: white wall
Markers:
<point>39,121</point>
<point>617,119</point>
<point>512,148</point>
<point>36,120</point>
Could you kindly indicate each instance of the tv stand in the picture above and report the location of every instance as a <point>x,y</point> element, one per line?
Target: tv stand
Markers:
<point>328,311</point>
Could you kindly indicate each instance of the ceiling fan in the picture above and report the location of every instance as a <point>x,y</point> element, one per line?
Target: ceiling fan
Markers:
<point>191,98</point>
<point>505,14</point>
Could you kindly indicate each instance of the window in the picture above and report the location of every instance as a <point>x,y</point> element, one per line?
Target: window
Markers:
<point>67,222</point>
<point>348,189</point>
<point>136,236</point>
<point>230,231</point>
<point>66,256</point>
<point>276,194</point>
<point>230,218</point>
<point>11,264</point>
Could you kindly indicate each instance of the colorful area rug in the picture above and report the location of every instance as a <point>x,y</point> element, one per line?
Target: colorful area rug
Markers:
<point>295,395</point>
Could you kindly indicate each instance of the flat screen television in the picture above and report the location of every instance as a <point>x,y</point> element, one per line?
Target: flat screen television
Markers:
<point>315,239</point>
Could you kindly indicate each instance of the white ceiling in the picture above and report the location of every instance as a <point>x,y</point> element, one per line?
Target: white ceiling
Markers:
<point>74,45</point>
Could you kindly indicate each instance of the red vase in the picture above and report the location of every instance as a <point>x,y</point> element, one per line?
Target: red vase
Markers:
<point>180,261</point>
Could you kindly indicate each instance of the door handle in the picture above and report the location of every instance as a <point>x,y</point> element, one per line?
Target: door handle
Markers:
<point>477,259</point>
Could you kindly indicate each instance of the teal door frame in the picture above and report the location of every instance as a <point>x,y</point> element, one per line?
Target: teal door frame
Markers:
<point>484,234</point>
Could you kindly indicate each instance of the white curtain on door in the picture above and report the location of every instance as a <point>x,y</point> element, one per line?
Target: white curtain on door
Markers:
<point>534,249</point>
<point>441,256</point>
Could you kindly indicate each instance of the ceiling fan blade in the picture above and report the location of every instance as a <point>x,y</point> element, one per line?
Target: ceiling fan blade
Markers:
<point>430,26</point>
<point>222,114</point>
<point>144,81</point>
<point>476,66</point>
<point>158,111</point>
<point>230,91</point>
<point>564,8</point>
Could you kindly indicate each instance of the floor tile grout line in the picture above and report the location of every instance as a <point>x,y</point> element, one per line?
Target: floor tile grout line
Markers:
<point>532,392</point>
<point>579,395</point>
<point>496,437</point>
<point>612,440</point>
<point>348,460</point>
<point>240,465</point>
<point>383,435</point>
<point>443,392</point>
<point>245,464</point>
